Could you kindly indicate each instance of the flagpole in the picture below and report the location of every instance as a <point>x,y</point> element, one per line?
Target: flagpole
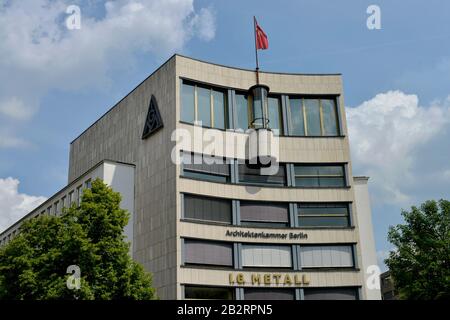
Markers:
<point>256,51</point>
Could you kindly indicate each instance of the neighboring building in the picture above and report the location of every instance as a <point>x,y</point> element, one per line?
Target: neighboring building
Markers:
<point>229,230</point>
<point>388,291</point>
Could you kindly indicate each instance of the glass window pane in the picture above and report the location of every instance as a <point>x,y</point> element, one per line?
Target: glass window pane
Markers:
<point>268,294</point>
<point>251,175</point>
<point>187,103</point>
<point>208,252</point>
<point>266,256</point>
<point>332,182</point>
<point>296,124</point>
<point>331,294</point>
<point>312,117</point>
<point>329,117</point>
<point>242,111</point>
<point>275,115</point>
<point>264,212</point>
<point>306,170</point>
<point>219,110</point>
<point>331,170</point>
<point>319,209</point>
<point>193,292</point>
<point>207,209</point>
<point>204,106</point>
<point>320,221</point>
<point>307,182</point>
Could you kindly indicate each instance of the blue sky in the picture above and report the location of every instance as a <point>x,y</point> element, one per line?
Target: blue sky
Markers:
<point>56,82</point>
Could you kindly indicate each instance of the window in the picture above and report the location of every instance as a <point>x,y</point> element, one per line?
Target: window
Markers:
<point>71,198</point>
<point>49,210</point>
<point>266,256</point>
<point>200,252</point>
<point>319,176</point>
<point>204,104</point>
<point>323,214</point>
<point>331,293</point>
<point>274,115</point>
<point>205,167</point>
<point>264,214</point>
<point>313,117</point>
<point>332,256</point>
<point>312,112</point>
<point>268,294</point>
<point>207,209</point>
<point>188,103</point>
<point>296,118</point>
<point>88,184</point>
<point>219,293</point>
<point>254,176</point>
<point>243,103</point>
<point>329,118</point>
<point>63,202</point>
<point>56,208</point>
<point>79,194</point>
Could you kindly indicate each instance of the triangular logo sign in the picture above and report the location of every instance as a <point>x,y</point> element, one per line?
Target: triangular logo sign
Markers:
<point>154,121</point>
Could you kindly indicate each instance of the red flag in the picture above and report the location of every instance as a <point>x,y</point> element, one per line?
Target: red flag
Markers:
<point>261,38</point>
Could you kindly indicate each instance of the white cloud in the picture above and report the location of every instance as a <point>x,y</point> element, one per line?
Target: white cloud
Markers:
<point>385,133</point>
<point>14,205</point>
<point>15,109</point>
<point>38,53</point>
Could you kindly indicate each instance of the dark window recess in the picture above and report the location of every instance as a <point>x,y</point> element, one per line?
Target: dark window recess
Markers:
<point>268,294</point>
<point>213,253</point>
<point>212,293</point>
<point>253,176</point>
<point>205,167</point>
<point>331,293</point>
<point>319,176</point>
<point>207,209</point>
<point>264,214</point>
<point>323,215</point>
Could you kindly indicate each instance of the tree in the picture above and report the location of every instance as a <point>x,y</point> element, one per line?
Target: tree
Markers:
<point>420,263</point>
<point>34,264</point>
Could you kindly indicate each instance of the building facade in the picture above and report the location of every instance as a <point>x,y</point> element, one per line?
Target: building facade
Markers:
<point>206,222</point>
<point>388,291</point>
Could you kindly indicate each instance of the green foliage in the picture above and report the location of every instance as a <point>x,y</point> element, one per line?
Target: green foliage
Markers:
<point>34,264</point>
<point>420,264</point>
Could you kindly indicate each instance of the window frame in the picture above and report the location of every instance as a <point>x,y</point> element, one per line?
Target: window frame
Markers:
<point>211,89</point>
<point>203,175</point>
<point>321,176</point>
<point>321,245</point>
<point>263,223</point>
<point>324,205</point>
<point>334,98</point>
<point>185,263</point>
<point>205,221</point>
<point>262,245</point>
<point>241,162</point>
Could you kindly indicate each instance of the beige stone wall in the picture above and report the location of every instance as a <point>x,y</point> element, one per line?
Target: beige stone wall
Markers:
<point>292,149</point>
<point>316,279</point>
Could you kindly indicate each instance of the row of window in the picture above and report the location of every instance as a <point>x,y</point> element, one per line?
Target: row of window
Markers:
<point>67,200</point>
<point>265,214</point>
<point>303,116</point>
<point>208,168</point>
<point>73,196</point>
<point>222,254</point>
<point>227,293</point>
